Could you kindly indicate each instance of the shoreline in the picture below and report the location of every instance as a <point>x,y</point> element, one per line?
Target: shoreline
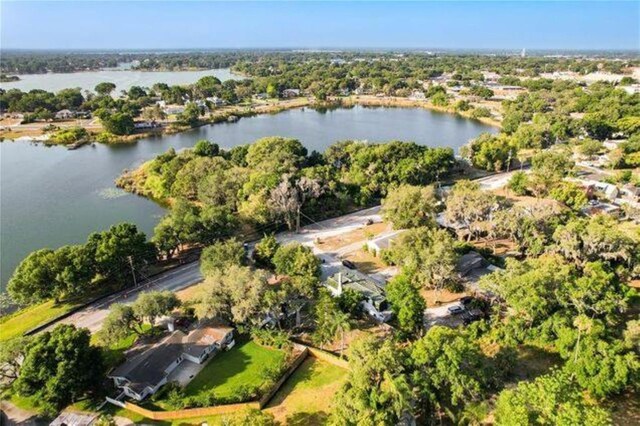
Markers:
<point>222,115</point>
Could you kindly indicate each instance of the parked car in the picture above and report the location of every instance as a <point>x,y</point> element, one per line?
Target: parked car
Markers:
<point>349,264</point>
<point>455,309</point>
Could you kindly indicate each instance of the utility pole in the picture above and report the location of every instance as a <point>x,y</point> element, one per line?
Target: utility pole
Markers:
<point>133,272</point>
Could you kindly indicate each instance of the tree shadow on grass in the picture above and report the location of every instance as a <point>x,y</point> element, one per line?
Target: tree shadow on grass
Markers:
<point>307,419</point>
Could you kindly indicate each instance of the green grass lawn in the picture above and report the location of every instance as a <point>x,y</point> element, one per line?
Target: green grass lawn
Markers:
<point>18,323</point>
<point>240,367</point>
<point>307,397</point>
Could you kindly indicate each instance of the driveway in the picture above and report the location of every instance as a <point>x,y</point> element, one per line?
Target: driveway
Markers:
<point>441,316</point>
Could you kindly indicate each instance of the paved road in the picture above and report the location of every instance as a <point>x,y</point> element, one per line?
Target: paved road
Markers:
<point>176,279</point>
<point>329,228</point>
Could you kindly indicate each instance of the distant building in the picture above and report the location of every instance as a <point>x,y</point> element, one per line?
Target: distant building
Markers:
<point>417,95</point>
<point>380,243</point>
<point>216,101</point>
<point>290,93</point>
<point>65,114</point>
<point>374,303</point>
<point>174,109</point>
<point>147,372</point>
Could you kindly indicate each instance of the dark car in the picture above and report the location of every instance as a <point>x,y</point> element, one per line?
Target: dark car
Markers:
<point>349,264</point>
<point>455,309</point>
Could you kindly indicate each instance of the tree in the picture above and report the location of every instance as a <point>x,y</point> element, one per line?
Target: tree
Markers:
<point>570,194</point>
<point>236,294</point>
<point>119,249</point>
<point>550,399</point>
<point>518,183</point>
<point>288,198</point>
<point>548,170</point>
<point>377,390</point>
<point>410,206</point>
<point>221,255</point>
<point>407,304</point>
<point>60,366</point>
<point>489,152</point>
<point>468,207</point>
<point>120,322</point>
<point>191,115</point>
<point>118,123</point>
<point>330,320</point>
<point>448,367</point>
<point>300,264</point>
<point>11,354</point>
<point>276,155</point>
<point>153,304</point>
<point>32,278</point>
<point>105,88</point>
<point>265,250</point>
<point>529,287</point>
<point>204,148</point>
<point>426,256</point>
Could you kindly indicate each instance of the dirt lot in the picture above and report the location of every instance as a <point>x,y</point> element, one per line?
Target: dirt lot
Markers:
<point>443,297</point>
<point>366,262</point>
<point>361,234</point>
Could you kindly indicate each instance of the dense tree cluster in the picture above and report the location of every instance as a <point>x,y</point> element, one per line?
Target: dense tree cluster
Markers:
<point>75,270</point>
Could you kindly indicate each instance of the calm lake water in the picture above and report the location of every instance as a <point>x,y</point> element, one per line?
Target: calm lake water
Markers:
<point>123,79</point>
<point>50,197</point>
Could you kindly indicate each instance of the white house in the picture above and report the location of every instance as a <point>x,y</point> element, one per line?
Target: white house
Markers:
<point>64,114</point>
<point>382,242</point>
<point>417,95</point>
<point>145,373</point>
<point>374,302</point>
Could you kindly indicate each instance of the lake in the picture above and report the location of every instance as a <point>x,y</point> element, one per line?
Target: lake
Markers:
<point>123,79</point>
<point>52,196</point>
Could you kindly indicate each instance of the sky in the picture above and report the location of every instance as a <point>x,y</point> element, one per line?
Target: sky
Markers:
<point>338,24</point>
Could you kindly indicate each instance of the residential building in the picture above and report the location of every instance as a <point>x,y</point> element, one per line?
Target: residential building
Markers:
<point>375,302</point>
<point>65,114</point>
<point>417,95</point>
<point>145,373</point>
<point>290,93</point>
<point>382,242</point>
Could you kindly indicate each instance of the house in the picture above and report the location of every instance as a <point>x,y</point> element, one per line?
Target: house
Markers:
<point>471,267</point>
<point>417,95</point>
<point>631,192</point>
<point>145,373</point>
<point>609,190</point>
<point>146,125</point>
<point>216,101</point>
<point>65,114</point>
<point>68,418</point>
<point>261,96</point>
<point>290,93</point>
<point>374,303</point>
<point>174,109</point>
<point>382,242</point>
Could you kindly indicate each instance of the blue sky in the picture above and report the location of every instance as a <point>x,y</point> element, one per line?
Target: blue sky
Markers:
<point>172,25</point>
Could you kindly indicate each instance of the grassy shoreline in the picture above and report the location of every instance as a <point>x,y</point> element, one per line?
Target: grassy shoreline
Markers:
<point>270,107</point>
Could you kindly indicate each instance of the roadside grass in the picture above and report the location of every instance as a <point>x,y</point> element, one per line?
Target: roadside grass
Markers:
<point>307,397</point>
<point>231,371</point>
<point>21,321</point>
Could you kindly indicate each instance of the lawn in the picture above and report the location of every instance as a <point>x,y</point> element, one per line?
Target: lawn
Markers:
<point>19,322</point>
<point>229,371</point>
<point>307,397</point>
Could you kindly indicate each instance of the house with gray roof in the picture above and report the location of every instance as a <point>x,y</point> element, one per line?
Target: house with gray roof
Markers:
<point>374,303</point>
<point>145,373</point>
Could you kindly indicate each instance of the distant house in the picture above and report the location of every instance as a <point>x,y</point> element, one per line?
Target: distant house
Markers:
<point>602,208</point>
<point>216,101</point>
<point>65,114</point>
<point>471,267</point>
<point>145,373</point>
<point>290,93</point>
<point>374,303</point>
<point>609,190</point>
<point>261,96</point>
<point>146,125</point>
<point>174,109</point>
<point>417,95</point>
<point>631,192</point>
<point>383,242</point>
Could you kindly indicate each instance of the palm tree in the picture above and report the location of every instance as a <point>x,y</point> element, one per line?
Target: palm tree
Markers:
<point>340,323</point>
